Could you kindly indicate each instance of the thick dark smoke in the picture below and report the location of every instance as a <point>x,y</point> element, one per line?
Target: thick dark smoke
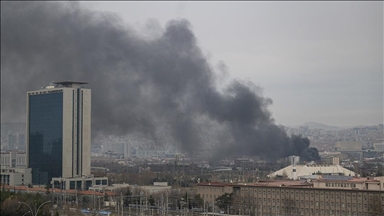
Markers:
<point>139,84</point>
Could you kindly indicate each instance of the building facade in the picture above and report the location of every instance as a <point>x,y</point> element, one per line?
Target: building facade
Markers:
<point>286,198</point>
<point>15,176</point>
<point>59,131</point>
<point>79,183</point>
<point>13,159</point>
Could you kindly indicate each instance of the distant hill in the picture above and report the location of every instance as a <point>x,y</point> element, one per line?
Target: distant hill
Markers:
<point>316,125</point>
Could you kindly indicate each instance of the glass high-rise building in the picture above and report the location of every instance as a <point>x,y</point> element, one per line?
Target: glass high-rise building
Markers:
<point>59,131</point>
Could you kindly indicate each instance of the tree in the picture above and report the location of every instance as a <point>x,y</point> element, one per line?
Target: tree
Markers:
<point>10,203</point>
<point>375,206</point>
<point>106,197</point>
<point>198,201</point>
<point>151,200</point>
<point>224,201</point>
<point>290,208</point>
<point>47,187</point>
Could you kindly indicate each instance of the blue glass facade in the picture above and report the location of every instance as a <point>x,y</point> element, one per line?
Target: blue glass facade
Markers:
<point>45,136</point>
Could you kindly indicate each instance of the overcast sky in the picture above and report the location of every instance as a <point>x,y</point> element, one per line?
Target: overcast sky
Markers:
<point>317,61</point>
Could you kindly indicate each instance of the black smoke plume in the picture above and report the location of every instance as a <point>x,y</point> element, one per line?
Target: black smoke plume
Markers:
<point>139,83</point>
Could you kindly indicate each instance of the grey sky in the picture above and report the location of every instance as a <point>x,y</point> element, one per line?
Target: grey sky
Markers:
<point>317,61</point>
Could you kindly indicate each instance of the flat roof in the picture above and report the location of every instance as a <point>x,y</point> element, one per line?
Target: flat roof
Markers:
<point>66,82</point>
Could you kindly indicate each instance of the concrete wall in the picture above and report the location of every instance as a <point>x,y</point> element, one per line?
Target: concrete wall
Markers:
<point>67,132</point>
<point>210,192</point>
<point>16,176</point>
<point>86,135</point>
<point>268,200</point>
<point>76,132</point>
<point>378,146</point>
<point>339,184</point>
<point>348,146</point>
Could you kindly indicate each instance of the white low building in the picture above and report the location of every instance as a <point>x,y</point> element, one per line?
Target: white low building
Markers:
<point>15,176</point>
<point>79,183</point>
<point>305,170</point>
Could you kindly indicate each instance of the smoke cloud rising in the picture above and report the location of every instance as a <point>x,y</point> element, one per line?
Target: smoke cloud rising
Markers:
<point>140,83</point>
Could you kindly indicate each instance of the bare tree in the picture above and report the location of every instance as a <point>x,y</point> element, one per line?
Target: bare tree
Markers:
<point>375,205</point>
<point>290,208</point>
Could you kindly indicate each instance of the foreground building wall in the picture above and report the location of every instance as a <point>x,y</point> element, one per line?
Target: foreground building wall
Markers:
<point>251,199</point>
<point>308,201</point>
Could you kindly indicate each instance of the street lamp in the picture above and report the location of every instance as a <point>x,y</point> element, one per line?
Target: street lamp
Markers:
<point>31,211</point>
<point>41,206</point>
<point>26,213</point>
<point>28,206</point>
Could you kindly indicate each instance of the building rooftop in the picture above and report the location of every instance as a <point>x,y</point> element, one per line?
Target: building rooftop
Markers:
<point>218,184</point>
<point>272,183</point>
<point>68,83</point>
<point>345,179</point>
<point>279,183</point>
<point>305,170</point>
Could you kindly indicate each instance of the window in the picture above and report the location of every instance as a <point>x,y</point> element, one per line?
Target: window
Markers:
<point>45,140</point>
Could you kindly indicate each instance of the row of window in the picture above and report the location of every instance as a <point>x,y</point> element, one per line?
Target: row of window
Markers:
<point>271,193</point>
<point>329,204</point>
<point>306,210</point>
<point>322,194</point>
<point>209,196</point>
<point>346,185</point>
<point>221,189</point>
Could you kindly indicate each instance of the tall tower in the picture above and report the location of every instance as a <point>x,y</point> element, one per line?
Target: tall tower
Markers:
<point>59,131</point>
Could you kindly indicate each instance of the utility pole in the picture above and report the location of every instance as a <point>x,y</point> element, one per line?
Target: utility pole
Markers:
<point>162,203</point>
<point>146,203</point>
<point>166,207</point>
<point>204,206</point>
<point>61,193</point>
<point>140,205</point>
<point>122,204</point>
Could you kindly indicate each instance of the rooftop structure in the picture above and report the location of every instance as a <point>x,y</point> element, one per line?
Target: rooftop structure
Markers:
<point>69,84</point>
<point>305,170</point>
<point>349,182</point>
